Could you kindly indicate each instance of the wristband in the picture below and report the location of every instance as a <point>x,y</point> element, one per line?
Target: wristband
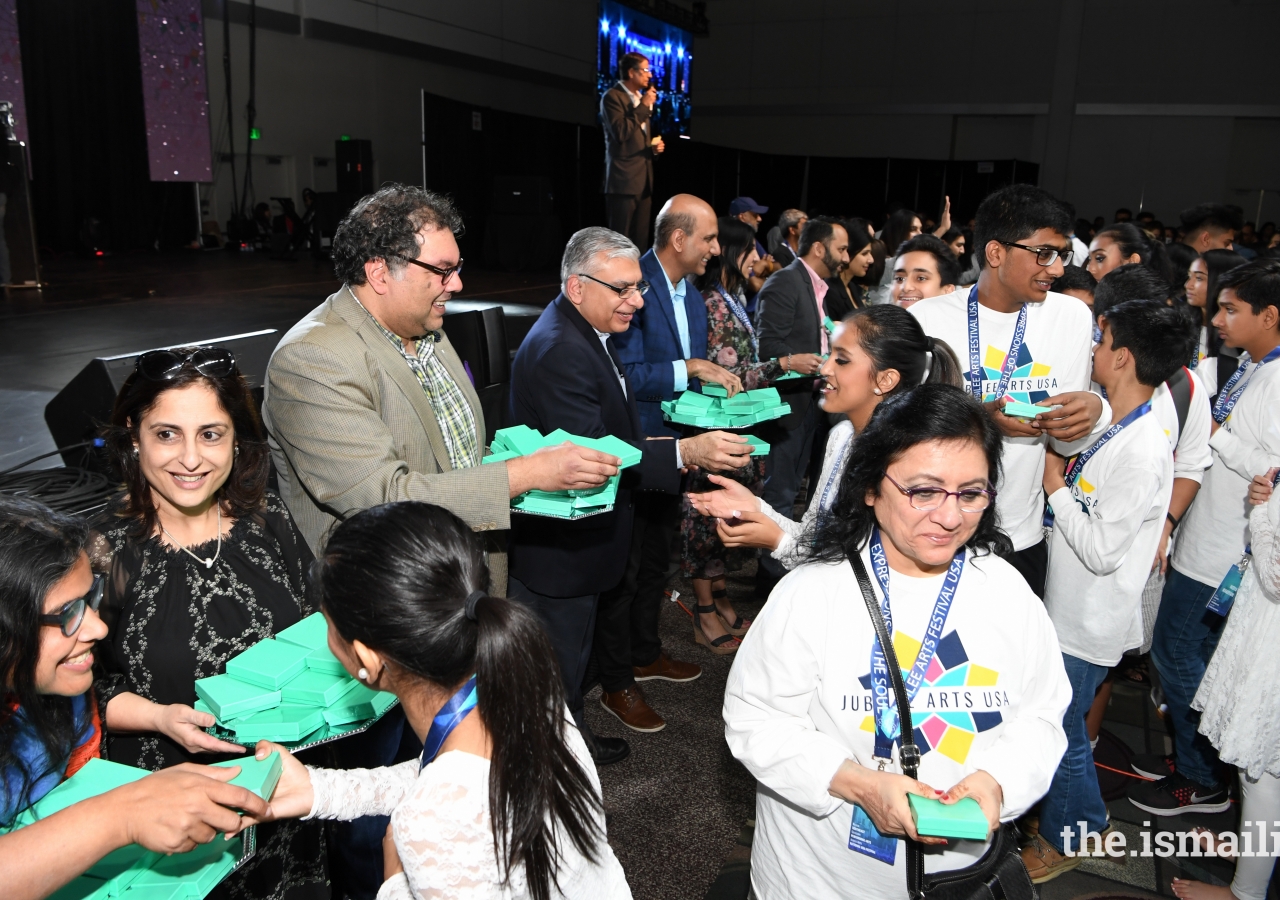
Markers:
<point>1172,520</point>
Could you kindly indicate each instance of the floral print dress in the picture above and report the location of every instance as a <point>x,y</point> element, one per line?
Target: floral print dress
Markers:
<point>731,343</point>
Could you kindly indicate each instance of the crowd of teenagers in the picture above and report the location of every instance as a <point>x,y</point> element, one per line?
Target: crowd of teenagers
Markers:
<point>1015,560</point>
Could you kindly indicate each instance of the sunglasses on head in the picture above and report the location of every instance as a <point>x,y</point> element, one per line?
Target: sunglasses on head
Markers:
<point>164,365</point>
<point>70,617</point>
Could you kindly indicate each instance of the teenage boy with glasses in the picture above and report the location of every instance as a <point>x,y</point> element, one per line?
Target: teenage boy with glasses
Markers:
<point>1017,340</point>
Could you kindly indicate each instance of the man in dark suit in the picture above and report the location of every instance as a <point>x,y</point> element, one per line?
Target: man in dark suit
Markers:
<point>789,322</point>
<point>567,374</point>
<point>629,149</point>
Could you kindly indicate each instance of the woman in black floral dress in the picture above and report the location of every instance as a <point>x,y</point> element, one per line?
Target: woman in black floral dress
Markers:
<point>731,343</point>
<point>201,563</point>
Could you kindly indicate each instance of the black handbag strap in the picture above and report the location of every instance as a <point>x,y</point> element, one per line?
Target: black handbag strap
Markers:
<point>908,752</point>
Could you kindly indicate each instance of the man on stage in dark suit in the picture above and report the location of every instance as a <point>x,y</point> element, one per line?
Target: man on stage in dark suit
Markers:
<point>568,375</point>
<point>629,149</point>
<point>789,322</point>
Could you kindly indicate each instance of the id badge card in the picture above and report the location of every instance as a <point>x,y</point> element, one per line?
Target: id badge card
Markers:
<point>1225,595</point>
<point>864,839</point>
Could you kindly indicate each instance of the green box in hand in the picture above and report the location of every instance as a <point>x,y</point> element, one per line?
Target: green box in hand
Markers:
<point>311,632</point>
<point>257,775</point>
<point>269,664</point>
<point>761,448</point>
<point>964,819</point>
<point>230,698</point>
<point>1020,410</point>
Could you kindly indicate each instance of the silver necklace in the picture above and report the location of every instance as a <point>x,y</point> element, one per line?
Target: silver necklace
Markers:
<point>208,561</point>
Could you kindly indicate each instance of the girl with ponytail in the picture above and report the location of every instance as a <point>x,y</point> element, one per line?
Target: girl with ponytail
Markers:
<point>878,352</point>
<point>505,801</point>
<point>1123,243</point>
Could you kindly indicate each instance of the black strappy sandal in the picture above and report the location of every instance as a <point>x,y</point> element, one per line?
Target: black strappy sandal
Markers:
<point>721,646</point>
<point>738,627</point>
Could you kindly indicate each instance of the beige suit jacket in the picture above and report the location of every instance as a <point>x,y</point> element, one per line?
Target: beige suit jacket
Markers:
<point>350,428</point>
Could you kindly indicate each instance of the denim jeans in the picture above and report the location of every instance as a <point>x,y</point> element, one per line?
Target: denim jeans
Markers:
<point>1185,637</point>
<point>1074,795</point>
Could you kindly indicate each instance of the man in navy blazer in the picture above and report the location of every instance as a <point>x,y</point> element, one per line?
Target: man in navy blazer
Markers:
<point>567,374</point>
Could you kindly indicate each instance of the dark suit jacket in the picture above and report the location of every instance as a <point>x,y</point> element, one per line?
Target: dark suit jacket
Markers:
<point>787,322</point>
<point>652,343</point>
<point>783,255</point>
<point>562,378</point>
<point>628,155</point>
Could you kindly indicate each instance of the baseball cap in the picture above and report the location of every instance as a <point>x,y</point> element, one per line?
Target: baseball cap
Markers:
<point>739,205</point>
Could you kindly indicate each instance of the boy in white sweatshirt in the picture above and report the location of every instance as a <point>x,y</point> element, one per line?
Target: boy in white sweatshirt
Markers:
<point>1109,509</point>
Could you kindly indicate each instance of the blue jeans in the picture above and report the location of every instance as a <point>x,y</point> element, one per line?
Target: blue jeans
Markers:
<point>1185,637</point>
<point>1074,795</point>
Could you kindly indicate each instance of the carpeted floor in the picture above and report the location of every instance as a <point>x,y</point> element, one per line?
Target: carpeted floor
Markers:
<point>678,803</point>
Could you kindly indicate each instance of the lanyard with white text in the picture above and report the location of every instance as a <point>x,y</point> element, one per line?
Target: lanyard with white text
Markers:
<point>1077,464</point>
<point>740,314</point>
<point>886,719</point>
<point>837,472</point>
<point>976,373</point>
<point>1229,396</point>
<point>449,718</point>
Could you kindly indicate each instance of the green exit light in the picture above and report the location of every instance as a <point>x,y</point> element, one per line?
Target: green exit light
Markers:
<point>255,134</point>
<point>345,137</point>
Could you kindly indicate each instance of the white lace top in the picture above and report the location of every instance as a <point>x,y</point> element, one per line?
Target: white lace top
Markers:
<point>443,833</point>
<point>836,457</point>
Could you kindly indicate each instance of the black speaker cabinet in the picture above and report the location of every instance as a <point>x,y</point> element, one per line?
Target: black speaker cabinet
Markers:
<point>82,407</point>
<point>355,166</point>
<point>480,338</point>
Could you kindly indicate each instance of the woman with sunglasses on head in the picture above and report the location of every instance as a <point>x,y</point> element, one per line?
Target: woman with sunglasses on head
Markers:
<point>731,343</point>
<point>201,563</point>
<point>504,801</point>
<point>916,507</point>
<point>878,352</point>
<point>50,725</point>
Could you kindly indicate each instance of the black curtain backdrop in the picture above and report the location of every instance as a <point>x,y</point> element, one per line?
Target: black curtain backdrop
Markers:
<point>88,132</point>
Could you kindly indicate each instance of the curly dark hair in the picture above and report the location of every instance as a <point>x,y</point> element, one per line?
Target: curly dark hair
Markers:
<point>246,484</point>
<point>38,547</point>
<point>930,412</point>
<point>385,225</point>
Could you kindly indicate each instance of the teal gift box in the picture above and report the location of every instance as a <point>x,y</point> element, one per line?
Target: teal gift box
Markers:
<point>1025,411</point>
<point>284,723</point>
<point>269,664</point>
<point>257,775</point>
<point>575,504</point>
<point>311,632</point>
<point>314,688</point>
<point>963,820</point>
<point>322,659</point>
<point>228,697</point>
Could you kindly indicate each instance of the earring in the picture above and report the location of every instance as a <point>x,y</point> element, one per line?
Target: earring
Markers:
<point>363,674</point>
<point>876,392</point>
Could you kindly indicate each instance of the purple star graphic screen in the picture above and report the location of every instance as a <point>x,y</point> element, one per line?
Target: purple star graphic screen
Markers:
<point>175,89</point>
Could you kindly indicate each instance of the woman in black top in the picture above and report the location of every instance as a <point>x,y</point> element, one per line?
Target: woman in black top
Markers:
<point>201,564</point>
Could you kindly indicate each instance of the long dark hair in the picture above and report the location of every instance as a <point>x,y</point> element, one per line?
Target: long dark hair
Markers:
<point>736,238</point>
<point>930,412</point>
<point>1131,239</point>
<point>896,230</point>
<point>246,483</point>
<point>893,339</point>
<point>38,547</point>
<point>396,578</point>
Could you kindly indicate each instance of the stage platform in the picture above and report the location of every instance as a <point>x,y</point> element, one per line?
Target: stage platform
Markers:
<point>119,304</point>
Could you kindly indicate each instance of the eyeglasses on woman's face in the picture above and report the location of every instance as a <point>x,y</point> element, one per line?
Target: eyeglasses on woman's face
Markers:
<point>70,617</point>
<point>927,498</point>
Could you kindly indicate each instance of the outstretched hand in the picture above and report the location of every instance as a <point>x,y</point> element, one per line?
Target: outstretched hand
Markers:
<point>733,498</point>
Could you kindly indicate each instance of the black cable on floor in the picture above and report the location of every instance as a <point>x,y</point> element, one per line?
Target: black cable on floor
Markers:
<point>67,489</point>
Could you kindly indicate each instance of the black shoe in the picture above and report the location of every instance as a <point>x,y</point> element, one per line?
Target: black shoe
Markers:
<point>1153,765</point>
<point>1177,794</point>
<point>606,751</point>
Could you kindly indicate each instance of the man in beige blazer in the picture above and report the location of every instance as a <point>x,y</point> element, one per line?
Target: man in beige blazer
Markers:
<point>366,402</point>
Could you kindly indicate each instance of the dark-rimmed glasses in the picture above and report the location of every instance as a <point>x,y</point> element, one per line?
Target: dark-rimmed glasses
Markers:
<point>1045,256</point>
<point>927,498</point>
<point>626,292</point>
<point>445,274</point>
<point>70,617</point>
<point>164,365</point>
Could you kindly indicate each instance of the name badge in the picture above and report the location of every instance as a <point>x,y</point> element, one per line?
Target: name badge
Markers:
<point>1225,595</point>
<point>865,839</point>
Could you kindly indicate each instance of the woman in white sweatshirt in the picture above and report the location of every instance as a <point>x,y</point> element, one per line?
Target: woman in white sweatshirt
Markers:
<point>876,353</point>
<point>917,502</point>
<point>504,803</point>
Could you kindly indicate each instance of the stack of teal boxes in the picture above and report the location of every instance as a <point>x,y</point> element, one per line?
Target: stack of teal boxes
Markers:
<point>290,689</point>
<point>521,440</point>
<point>133,872</point>
<point>713,408</point>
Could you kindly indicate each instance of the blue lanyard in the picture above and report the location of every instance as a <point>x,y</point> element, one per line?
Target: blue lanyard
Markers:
<point>886,719</point>
<point>976,374</point>
<point>1077,464</point>
<point>740,314</point>
<point>1227,400</point>
<point>449,718</point>
<point>833,480</point>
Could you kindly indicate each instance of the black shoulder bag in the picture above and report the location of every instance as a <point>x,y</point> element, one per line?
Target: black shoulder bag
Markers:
<point>999,874</point>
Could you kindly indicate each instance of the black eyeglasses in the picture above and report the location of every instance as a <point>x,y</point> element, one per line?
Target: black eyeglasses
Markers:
<point>445,274</point>
<point>927,498</point>
<point>1045,256</point>
<point>70,617</point>
<point>626,292</point>
<point>164,365</point>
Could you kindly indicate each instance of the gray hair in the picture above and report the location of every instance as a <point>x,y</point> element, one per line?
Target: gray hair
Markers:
<point>583,248</point>
<point>789,219</point>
